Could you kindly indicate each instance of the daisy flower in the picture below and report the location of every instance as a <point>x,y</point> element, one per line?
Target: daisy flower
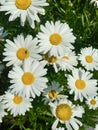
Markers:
<point>19,50</point>
<point>2,109</point>
<point>96,127</point>
<point>16,104</point>
<point>89,58</point>
<point>24,9</point>
<point>2,34</point>
<point>66,113</point>
<point>81,84</point>
<point>52,92</point>
<point>55,38</point>
<point>95,2</point>
<point>68,61</point>
<point>92,102</point>
<point>29,79</point>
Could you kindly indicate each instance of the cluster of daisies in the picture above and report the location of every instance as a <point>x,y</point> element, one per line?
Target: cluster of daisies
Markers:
<point>30,57</point>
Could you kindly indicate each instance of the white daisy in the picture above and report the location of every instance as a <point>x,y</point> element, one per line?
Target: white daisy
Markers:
<point>55,38</point>
<point>96,127</point>
<point>82,84</point>
<point>95,2</point>
<point>2,109</point>
<point>24,9</point>
<point>28,80</point>
<point>19,50</point>
<point>66,113</point>
<point>16,104</point>
<point>92,102</point>
<point>89,58</point>
<point>52,92</point>
<point>68,61</point>
<point>2,34</point>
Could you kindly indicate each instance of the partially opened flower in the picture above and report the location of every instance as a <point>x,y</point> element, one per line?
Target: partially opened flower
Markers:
<point>82,84</point>
<point>2,34</point>
<point>52,92</point>
<point>55,38</point>
<point>66,113</point>
<point>22,48</point>
<point>89,58</point>
<point>68,61</point>
<point>28,80</point>
<point>95,2</point>
<point>92,102</point>
<point>24,9</point>
<point>16,104</point>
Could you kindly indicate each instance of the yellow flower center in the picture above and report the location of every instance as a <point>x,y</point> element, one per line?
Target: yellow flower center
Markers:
<point>22,53</point>
<point>23,4</point>
<point>28,78</point>
<point>80,84</point>
<point>52,94</point>
<point>63,112</point>
<point>66,57</point>
<point>89,59</point>
<point>17,99</point>
<point>51,59</point>
<point>93,102</point>
<point>55,39</point>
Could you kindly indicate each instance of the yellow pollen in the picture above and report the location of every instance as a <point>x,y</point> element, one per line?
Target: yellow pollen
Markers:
<point>93,102</point>
<point>17,99</point>
<point>66,57</point>
<point>28,78</point>
<point>22,53</point>
<point>52,94</point>
<point>55,39</point>
<point>80,84</point>
<point>23,4</point>
<point>63,112</point>
<point>52,59</point>
<point>89,59</point>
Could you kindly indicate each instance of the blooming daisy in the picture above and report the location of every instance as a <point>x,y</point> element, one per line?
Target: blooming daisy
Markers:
<point>92,102</point>
<point>96,127</point>
<point>95,2</point>
<point>82,84</point>
<point>2,34</point>
<point>29,79</point>
<point>52,60</point>
<point>55,38</point>
<point>52,92</point>
<point>19,50</point>
<point>16,104</point>
<point>2,109</point>
<point>24,9</point>
<point>66,113</point>
<point>89,58</point>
